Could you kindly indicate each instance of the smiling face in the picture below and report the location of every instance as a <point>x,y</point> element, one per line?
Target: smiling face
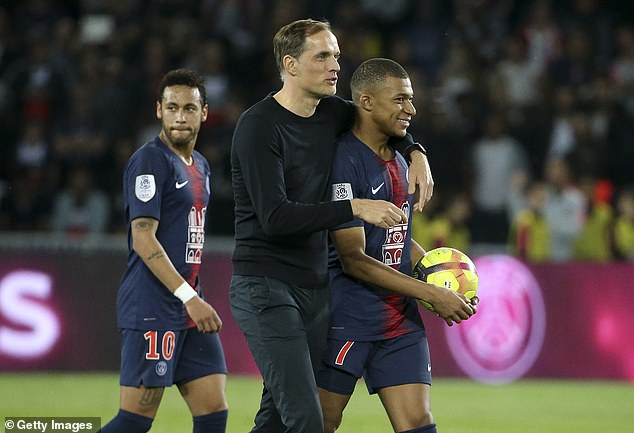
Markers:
<point>392,106</point>
<point>181,113</point>
<point>316,68</point>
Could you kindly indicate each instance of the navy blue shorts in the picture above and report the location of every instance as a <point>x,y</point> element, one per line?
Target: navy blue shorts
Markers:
<point>396,361</point>
<point>163,358</point>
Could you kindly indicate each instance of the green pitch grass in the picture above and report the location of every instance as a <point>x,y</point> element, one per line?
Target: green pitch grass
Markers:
<point>459,406</point>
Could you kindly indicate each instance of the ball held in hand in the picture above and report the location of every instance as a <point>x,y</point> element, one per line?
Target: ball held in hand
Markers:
<point>448,268</point>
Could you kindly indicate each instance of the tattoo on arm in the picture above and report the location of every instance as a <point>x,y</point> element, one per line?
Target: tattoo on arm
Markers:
<point>156,255</point>
<point>151,397</point>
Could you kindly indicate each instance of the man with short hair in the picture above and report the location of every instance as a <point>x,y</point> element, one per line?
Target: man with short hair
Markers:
<point>376,329</point>
<point>282,154</point>
<point>169,333</point>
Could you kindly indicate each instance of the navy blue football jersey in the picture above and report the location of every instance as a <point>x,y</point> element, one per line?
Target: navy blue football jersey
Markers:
<point>362,311</point>
<point>158,184</point>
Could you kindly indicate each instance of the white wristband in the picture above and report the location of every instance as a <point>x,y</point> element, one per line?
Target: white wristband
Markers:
<point>184,292</point>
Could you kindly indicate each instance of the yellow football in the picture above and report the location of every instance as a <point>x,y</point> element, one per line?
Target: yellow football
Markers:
<point>449,268</point>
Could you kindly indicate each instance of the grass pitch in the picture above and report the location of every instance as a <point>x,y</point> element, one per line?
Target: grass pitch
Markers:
<point>459,406</point>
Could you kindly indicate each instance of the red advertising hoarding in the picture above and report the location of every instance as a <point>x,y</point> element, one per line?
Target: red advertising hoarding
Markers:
<point>57,312</point>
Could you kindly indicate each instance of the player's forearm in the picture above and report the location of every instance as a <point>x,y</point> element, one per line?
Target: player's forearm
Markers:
<point>370,270</point>
<point>161,266</point>
<point>154,256</point>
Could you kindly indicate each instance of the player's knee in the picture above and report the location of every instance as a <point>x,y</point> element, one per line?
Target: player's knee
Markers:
<point>217,406</point>
<point>424,418</point>
<point>201,407</point>
<point>417,421</point>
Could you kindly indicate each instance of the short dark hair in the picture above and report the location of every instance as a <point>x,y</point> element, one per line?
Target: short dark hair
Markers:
<point>289,40</point>
<point>373,72</point>
<point>183,77</point>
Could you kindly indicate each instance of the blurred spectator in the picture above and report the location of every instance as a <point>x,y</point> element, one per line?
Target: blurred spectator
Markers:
<point>576,67</point>
<point>593,242</point>
<point>562,137</point>
<point>449,228</point>
<point>542,35</point>
<point>559,73</point>
<point>589,17</point>
<point>35,87</point>
<point>80,209</point>
<point>421,223</point>
<point>497,158</point>
<point>210,61</point>
<point>529,236</point>
<point>27,203</point>
<point>565,209</point>
<point>458,78</point>
<point>622,67</point>
<point>32,146</point>
<point>78,137</point>
<point>447,150</point>
<point>235,20</point>
<point>517,74</point>
<point>622,233</point>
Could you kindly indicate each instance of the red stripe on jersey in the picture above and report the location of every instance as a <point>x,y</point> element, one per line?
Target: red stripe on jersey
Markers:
<point>341,356</point>
<point>399,183</point>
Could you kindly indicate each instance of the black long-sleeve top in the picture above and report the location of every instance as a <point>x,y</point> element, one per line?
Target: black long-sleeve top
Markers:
<point>281,166</point>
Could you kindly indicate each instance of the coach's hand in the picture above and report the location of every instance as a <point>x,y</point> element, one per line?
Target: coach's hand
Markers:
<point>203,314</point>
<point>420,180</point>
<point>380,213</point>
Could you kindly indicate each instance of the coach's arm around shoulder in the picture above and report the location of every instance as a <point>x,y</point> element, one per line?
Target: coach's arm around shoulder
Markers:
<point>150,250</point>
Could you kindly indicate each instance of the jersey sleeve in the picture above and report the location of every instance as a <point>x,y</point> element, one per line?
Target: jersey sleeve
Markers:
<point>143,184</point>
<point>346,182</point>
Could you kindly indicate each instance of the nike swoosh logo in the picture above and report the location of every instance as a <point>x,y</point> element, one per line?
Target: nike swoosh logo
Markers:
<point>179,185</point>
<point>375,190</point>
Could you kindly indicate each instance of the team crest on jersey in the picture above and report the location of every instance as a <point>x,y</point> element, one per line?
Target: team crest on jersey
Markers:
<point>145,187</point>
<point>342,191</point>
<point>161,368</point>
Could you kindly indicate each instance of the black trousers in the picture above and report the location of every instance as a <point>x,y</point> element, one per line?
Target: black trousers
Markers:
<point>285,327</point>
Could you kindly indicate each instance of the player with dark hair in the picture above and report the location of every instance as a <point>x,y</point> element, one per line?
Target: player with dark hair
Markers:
<point>282,154</point>
<point>376,329</point>
<point>169,332</point>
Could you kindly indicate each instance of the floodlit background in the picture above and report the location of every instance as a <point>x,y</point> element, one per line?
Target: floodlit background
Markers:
<point>526,109</point>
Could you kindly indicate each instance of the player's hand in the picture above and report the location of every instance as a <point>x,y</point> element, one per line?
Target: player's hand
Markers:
<point>203,314</point>
<point>452,307</point>
<point>421,182</point>
<point>380,213</point>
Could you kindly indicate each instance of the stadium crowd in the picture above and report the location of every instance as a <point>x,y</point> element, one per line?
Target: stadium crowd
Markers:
<point>526,108</point>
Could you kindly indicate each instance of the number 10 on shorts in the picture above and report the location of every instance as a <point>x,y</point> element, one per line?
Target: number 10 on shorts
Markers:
<point>167,345</point>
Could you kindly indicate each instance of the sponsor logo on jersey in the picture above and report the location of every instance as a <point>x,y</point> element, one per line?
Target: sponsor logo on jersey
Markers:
<point>342,191</point>
<point>375,190</point>
<point>395,241</point>
<point>145,187</point>
<point>195,235</point>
